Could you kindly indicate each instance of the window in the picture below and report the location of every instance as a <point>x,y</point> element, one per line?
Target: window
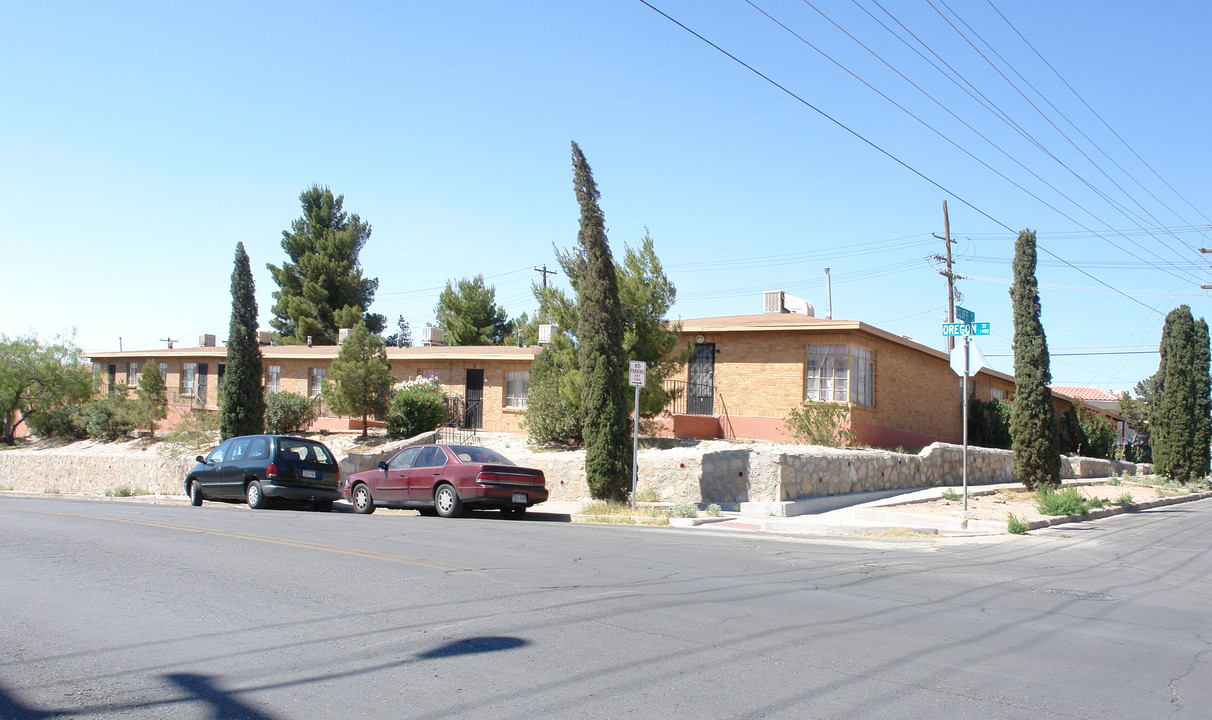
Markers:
<point>222,370</point>
<point>431,374</point>
<point>258,449</point>
<point>273,378</point>
<point>315,381</point>
<point>517,385</point>
<point>132,374</point>
<point>403,459</point>
<point>189,372</point>
<point>840,373</point>
<point>997,394</point>
<point>163,372</point>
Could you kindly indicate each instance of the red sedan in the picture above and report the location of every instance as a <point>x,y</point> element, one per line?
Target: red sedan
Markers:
<point>446,479</point>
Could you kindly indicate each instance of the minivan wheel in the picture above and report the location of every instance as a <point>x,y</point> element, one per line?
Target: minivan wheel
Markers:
<point>363,503</point>
<point>254,495</point>
<point>446,501</point>
<point>195,493</point>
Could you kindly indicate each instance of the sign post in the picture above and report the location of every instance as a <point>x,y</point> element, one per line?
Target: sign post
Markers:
<point>637,374</point>
<point>967,328</point>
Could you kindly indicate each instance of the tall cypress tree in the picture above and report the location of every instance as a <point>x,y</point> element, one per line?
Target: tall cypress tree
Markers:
<point>1032,416</point>
<point>1203,399</point>
<point>1179,425</point>
<point>600,351</point>
<point>242,400</point>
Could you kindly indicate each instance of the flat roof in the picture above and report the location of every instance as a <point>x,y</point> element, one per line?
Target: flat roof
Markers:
<point>329,352</point>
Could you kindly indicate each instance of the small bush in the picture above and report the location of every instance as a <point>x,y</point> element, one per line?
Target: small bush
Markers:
<point>109,418</point>
<point>647,495</point>
<point>65,423</point>
<point>287,412</point>
<point>197,432</point>
<point>1095,503</point>
<point>1125,499</point>
<point>1061,502</point>
<point>126,491</point>
<point>684,510</point>
<point>949,494</point>
<point>713,510</point>
<point>415,408</point>
<point>820,423</point>
<point>1015,526</point>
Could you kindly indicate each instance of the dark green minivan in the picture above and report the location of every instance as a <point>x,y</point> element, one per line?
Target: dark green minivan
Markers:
<point>258,468</point>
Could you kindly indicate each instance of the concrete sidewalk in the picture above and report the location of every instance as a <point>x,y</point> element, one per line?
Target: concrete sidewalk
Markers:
<point>874,513</point>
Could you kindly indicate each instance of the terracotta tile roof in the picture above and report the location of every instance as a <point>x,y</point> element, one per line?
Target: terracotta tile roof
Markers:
<point>1079,392</point>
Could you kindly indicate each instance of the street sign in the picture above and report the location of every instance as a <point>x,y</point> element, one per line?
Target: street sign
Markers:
<point>975,360</point>
<point>964,315</point>
<point>960,329</point>
<point>637,371</point>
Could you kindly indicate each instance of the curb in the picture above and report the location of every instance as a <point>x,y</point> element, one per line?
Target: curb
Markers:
<point>1117,510</point>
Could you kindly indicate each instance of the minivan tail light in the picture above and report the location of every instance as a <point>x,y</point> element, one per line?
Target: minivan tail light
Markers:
<point>271,471</point>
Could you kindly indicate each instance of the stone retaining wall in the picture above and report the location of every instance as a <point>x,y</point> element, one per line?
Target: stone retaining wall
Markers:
<point>50,472</point>
<point>705,472</point>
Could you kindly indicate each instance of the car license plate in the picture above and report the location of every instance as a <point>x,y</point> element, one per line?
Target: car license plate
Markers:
<point>519,498</point>
<point>309,474</point>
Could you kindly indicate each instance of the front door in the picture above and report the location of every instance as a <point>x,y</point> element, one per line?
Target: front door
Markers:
<point>700,391</point>
<point>473,416</point>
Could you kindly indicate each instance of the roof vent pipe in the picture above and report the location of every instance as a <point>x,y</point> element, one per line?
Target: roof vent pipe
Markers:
<point>828,296</point>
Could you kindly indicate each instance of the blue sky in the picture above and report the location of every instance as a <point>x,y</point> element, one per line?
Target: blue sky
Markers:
<point>142,141</point>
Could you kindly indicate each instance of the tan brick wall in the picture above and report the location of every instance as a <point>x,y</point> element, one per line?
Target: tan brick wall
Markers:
<point>763,374</point>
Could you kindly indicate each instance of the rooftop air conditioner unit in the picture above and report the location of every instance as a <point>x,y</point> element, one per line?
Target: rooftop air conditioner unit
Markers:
<point>206,340</point>
<point>265,337</point>
<point>545,333</point>
<point>797,305</point>
<point>772,301</point>
<point>431,336</point>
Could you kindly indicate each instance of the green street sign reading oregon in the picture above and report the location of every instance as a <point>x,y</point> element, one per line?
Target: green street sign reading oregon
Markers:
<point>952,329</point>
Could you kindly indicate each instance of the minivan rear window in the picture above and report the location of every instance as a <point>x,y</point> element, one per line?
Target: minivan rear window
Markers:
<point>305,451</point>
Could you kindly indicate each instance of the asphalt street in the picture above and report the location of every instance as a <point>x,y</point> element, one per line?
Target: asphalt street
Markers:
<point>116,609</point>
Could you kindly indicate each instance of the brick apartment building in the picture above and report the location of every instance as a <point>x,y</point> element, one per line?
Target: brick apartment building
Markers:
<point>743,376</point>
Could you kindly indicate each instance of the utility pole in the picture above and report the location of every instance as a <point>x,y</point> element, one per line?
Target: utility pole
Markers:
<point>1205,251</point>
<point>951,276</point>
<point>168,340</point>
<point>545,273</point>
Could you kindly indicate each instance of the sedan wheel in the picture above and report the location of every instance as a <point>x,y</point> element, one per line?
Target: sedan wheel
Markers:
<point>363,503</point>
<point>446,501</point>
<point>256,498</point>
<point>195,493</point>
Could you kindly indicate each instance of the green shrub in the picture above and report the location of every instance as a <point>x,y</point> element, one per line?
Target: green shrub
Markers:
<point>713,510</point>
<point>287,412</point>
<point>416,408</point>
<point>1015,526</point>
<point>989,423</point>
<point>65,423</point>
<point>820,423</point>
<point>553,401</point>
<point>109,418</point>
<point>684,510</point>
<point>1062,502</point>
<point>197,432</point>
<point>647,495</point>
<point>1125,499</point>
<point>126,491</point>
<point>949,494</point>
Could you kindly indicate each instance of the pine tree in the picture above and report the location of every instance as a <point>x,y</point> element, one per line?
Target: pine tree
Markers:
<point>1179,419</point>
<point>1032,416</point>
<point>321,288</point>
<point>242,399</point>
<point>600,353</point>
<point>469,315</point>
<point>361,377</point>
<point>153,396</point>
